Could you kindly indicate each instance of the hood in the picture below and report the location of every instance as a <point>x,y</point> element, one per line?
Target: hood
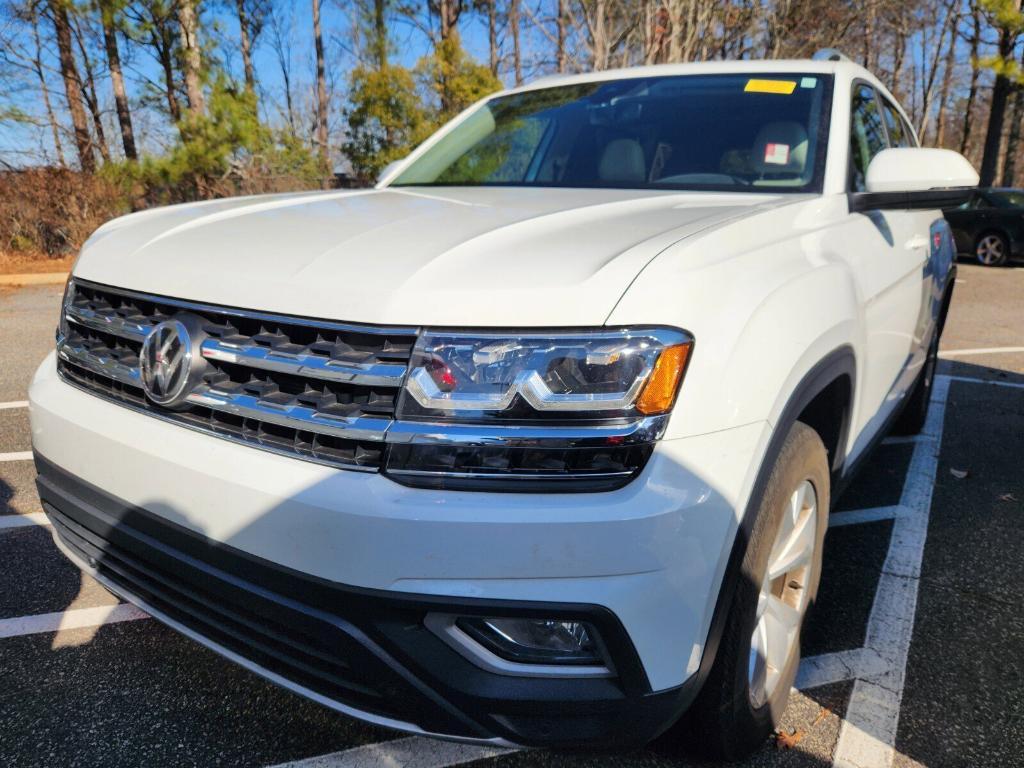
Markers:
<point>410,256</point>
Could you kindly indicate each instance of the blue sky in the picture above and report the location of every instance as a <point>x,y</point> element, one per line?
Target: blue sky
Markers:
<point>22,144</point>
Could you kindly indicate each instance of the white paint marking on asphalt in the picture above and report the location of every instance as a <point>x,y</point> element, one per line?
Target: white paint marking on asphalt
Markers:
<point>868,733</point>
<point>410,752</point>
<point>73,619</point>
<point>987,351</point>
<point>901,439</point>
<point>10,522</point>
<point>994,382</point>
<point>857,516</point>
<point>839,667</point>
<point>16,456</point>
<point>14,404</point>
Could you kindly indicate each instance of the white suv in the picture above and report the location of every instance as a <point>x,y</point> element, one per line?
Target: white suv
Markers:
<point>535,442</point>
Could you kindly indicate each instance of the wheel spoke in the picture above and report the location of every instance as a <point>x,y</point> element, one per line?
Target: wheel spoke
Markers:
<point>780,606</point>
<point>781,622</point>
<point>797,551</point>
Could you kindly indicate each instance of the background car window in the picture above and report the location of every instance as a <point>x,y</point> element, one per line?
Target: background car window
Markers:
<point>867,134</point>
<point>1007,199</point>
<point>899,135</point>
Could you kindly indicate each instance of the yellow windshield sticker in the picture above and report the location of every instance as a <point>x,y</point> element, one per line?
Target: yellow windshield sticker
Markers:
<point>785,87</point>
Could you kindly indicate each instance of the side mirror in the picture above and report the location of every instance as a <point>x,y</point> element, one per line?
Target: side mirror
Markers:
<point>388,169</point>
<point>914,178</point>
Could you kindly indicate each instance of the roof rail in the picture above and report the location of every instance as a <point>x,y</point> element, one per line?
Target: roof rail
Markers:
<point>829,54</point>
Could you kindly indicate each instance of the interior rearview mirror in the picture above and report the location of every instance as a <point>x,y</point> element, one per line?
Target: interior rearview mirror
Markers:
<point>916,177</point>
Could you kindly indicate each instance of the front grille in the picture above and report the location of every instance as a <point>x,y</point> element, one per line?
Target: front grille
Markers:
<point>318,390</point>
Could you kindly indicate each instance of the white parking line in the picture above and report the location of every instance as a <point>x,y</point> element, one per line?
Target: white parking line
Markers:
<point>868,733</point>
<point>993,382</point>
<point>73,619</point>
<point>839,667</point>
<point>14,404</point>
<point>16,456</point>
<point>987,351</point>
<point>411,752</point>
<point>857,516</point>
<point>10,522</point>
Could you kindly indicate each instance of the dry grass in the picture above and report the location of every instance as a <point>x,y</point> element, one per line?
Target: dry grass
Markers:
<point>32,263</point>
<point>49,212</point>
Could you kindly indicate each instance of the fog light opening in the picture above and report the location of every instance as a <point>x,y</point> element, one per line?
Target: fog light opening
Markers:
<point>536,641</point>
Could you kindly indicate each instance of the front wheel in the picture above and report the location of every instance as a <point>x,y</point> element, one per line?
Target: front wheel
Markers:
<point>748,687</point>
<point>992,250</point>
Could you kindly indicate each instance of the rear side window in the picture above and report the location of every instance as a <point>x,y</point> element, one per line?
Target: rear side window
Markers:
<point>867,134</point>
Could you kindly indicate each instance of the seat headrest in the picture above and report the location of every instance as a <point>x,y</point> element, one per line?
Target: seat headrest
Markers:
<point>781,148</point>
<point>622,160</point>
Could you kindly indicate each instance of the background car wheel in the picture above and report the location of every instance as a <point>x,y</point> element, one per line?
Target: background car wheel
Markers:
<point>915,412</point>
<point>992,249</point>
<point>748,687</point>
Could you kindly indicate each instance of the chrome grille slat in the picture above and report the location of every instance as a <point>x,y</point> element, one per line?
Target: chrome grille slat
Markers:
<point>108,323</point>
<point>296,416</point>
<point>304,364</point>
<point>105,365</point>
<point>321,391</point>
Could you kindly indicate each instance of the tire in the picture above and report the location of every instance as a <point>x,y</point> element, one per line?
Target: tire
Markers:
<point>992,249</point>
<point>734,715</point>
<point>915,412</point>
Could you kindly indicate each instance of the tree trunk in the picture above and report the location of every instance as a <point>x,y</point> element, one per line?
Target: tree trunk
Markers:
<point>972,93</point>
<point>321,90</point>
<point>191,59</point>
<point>1013,139</point>
<point>160,38</point>
<point>380,32</point>
<point>72,85</point>
<point>560,25</point>
<point>492,35</point>
<point>513,23</point>
<point>37,65</point>
<point>997,112</point>
<point>246,44</point>
<point>947,83</point>
<point>89,95</point>
<point>124,115</point>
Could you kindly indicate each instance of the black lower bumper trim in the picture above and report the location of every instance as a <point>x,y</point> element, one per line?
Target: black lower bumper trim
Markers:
<point>367,651</point>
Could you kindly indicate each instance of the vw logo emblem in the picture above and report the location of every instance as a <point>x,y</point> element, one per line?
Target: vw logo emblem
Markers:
<point>166,362</point>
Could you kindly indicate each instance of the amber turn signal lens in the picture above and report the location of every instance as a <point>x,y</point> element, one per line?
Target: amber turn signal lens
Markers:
<point>660,392</point>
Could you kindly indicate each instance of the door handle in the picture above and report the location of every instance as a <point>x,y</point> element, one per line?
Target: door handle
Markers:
<point>918,241</point>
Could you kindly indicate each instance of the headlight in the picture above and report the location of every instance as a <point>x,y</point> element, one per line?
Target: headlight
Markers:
<point>569,377</point>
<point>567,411</point>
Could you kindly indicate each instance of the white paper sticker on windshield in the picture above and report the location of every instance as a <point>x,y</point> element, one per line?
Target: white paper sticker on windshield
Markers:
<point>776,154</point>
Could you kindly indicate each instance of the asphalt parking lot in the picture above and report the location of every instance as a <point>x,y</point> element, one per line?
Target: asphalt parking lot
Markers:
<point>913,656</point>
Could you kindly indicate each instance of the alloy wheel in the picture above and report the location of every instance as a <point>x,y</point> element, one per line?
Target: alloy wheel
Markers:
<point>784,596</point>
<point>990,250</point>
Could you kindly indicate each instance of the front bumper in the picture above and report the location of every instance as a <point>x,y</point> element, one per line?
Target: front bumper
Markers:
<point>320,579</point>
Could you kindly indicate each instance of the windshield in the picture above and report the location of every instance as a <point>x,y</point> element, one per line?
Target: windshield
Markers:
<point>721,132</point>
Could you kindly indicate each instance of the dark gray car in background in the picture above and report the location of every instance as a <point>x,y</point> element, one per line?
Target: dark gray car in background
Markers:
<point>990,226</point>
